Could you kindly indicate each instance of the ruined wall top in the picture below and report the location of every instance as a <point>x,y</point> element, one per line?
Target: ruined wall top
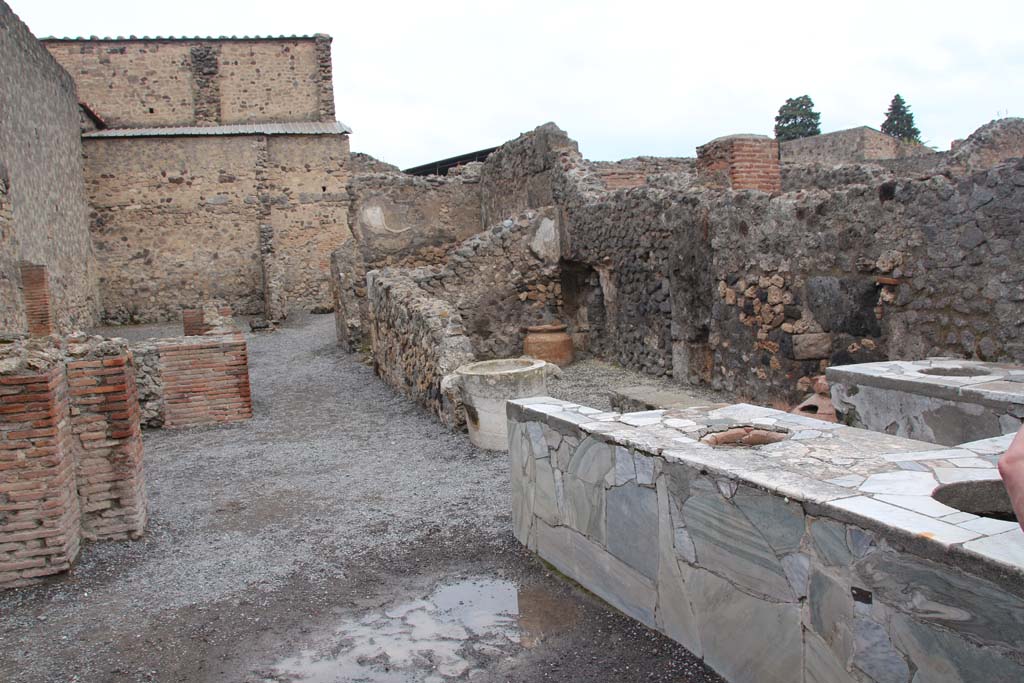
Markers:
<point>849,146</point>
<point>151,82</point>
<point>992,144</point>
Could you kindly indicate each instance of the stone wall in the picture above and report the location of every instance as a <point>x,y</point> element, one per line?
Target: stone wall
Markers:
<point>425,322</point>
<point>179,220</point>
<point>756,293</point>
<point>417,339</point>
<point>905,269</point>
<point>527,173</point>
<point>397,220</point>
<point>771,559</point>
<point>853,145</point>
<point>993,143</point>
<point>43,211</point>
<point>202,81</point>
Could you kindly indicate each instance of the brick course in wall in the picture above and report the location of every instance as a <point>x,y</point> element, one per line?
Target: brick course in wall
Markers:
<point>39,507</point>
<point>36,291</point>
<point>205,380</point>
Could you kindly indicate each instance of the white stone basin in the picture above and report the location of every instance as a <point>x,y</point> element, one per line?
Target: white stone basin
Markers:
<point>487,385</point>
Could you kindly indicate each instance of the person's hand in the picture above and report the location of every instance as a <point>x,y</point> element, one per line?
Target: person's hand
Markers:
<point>1011,469</point>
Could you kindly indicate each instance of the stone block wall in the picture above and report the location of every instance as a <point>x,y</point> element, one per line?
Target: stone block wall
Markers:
<point>397,220</point>
<point>425,322</point>
<point>417,339</point>
<point>200,81</point>
<point>307,210</point>
<point>906,269</point>
<point>764,574</point>
<point>850,146</point>
<point>247,219</point>
<point>43,210</point>
<point>205,380</point>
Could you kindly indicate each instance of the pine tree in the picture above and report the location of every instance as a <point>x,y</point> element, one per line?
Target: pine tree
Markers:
<point>899,122</point>
<point>797,119</point>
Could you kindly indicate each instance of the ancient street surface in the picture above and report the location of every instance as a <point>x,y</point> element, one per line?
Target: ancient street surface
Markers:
<point>340,535</point>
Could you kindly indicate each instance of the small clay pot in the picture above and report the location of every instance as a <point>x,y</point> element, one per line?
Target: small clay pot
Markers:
<point>549,342</point>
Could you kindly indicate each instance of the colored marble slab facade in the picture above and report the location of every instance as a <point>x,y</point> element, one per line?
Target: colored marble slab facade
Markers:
<point>940,400</point>
<point>775,546</point>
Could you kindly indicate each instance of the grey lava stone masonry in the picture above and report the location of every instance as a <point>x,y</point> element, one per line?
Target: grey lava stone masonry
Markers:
<point>776,547</point>
<point>939,400</point>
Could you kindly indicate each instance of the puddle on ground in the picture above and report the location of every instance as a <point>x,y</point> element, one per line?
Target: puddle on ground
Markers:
<point>450,634</point>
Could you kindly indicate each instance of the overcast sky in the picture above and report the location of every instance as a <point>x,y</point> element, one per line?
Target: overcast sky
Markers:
<point>420,81</point>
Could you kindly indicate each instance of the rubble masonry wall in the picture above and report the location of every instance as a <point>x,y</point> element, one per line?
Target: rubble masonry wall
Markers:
<point>181,220</point>
<point>397,220</point>
<point>186,82</point>
<point>43,210</point>
<point>425,322</point>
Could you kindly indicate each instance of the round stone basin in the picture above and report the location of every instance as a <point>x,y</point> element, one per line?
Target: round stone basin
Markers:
<point>987,498</point>
<point>486,387</point>
<point>501,366</point>
<point>956,371</point>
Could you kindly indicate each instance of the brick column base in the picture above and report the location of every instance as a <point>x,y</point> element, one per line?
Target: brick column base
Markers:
<point>39,511</point>
<point>105,420</point>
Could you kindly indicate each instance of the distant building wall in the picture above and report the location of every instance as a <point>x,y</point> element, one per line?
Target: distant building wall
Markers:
<point>179,220</point>
<point>849,146</point>
<point>43,212</point>
<point>181,82</point>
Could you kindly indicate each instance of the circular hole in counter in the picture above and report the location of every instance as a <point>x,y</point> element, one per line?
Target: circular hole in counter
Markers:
<point>955,371</point>
<point>986,498</point>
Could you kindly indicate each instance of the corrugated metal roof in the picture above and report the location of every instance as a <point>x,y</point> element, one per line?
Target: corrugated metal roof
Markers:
<point>297,128</point>
<point>125,38</point>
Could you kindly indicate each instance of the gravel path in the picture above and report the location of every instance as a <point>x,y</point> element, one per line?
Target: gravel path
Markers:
<point>258,530</point>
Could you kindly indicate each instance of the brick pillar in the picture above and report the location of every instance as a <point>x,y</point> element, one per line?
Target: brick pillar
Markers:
<point>105,421</point>
<point>36,287</point>
<point>740,162</point>
<point>192,322</point>
<point>39,512</point>
<point>205,382</point>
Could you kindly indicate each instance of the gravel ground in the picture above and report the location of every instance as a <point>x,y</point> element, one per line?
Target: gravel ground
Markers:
<point>336,497</point>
